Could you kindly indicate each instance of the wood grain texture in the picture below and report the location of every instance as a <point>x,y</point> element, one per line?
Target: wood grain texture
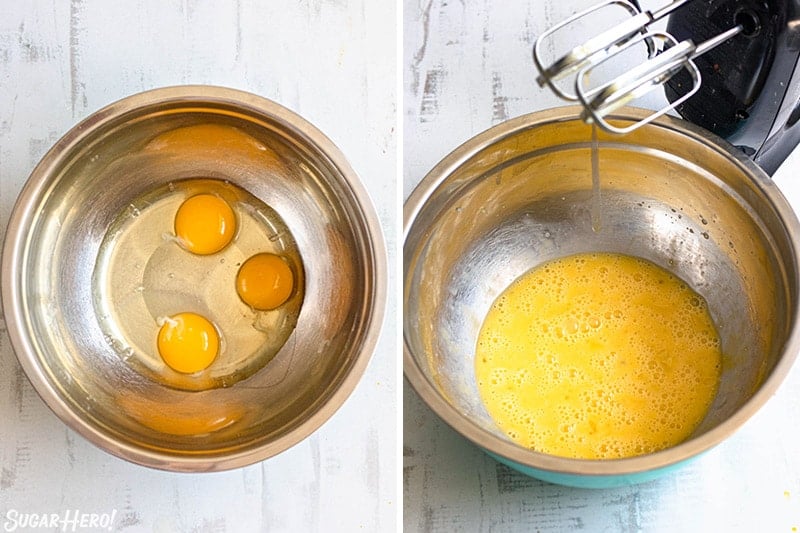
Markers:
<point>467,67</point>
<point>332,61</point>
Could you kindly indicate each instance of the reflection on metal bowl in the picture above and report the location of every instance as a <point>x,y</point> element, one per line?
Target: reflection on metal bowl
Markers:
<point>87,356</point>
<point>520,194</point>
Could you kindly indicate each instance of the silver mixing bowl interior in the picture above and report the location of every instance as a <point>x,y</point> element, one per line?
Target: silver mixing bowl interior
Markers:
<point>62,215</point>
<point>521,194</point>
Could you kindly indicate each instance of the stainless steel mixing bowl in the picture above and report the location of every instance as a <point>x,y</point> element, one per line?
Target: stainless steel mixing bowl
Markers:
<point>66,210</point>
<point>520,194</point>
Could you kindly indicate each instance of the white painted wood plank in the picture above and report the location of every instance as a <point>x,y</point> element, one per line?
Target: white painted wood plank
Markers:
<point>329,60</point>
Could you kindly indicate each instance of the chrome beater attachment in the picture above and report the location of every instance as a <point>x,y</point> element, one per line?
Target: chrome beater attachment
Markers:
<point>666,57</point>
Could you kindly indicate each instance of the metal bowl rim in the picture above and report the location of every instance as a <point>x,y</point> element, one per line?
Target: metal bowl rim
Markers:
<point>24,209</point>
<point>589,467</point>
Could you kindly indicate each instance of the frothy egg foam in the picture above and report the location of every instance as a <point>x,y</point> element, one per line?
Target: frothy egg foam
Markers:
<point>598,356</point>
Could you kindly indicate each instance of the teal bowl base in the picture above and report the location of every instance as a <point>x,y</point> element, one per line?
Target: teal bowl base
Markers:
<point>591,481</point>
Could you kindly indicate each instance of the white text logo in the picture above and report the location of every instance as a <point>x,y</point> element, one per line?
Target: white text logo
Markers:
<point>70,520</point>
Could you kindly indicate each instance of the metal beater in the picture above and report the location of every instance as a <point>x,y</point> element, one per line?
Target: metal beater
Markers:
<point>666,57</point>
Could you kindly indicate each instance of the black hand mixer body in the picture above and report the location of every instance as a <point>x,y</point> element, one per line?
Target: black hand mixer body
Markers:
<point>750,91</point>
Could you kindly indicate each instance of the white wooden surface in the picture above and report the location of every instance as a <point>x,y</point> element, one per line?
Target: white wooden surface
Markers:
<point>467,67</point>
<point>332,61</point>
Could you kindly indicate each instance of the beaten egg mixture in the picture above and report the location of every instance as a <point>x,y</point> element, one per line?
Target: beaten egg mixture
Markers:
<point>598,356</point>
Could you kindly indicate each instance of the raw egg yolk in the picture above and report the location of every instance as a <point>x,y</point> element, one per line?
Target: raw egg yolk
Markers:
<point>205,224</point>
<point>264,281</point>
<point>188,342</point>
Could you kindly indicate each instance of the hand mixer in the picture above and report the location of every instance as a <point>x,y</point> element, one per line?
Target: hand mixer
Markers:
<point>739,81</point>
